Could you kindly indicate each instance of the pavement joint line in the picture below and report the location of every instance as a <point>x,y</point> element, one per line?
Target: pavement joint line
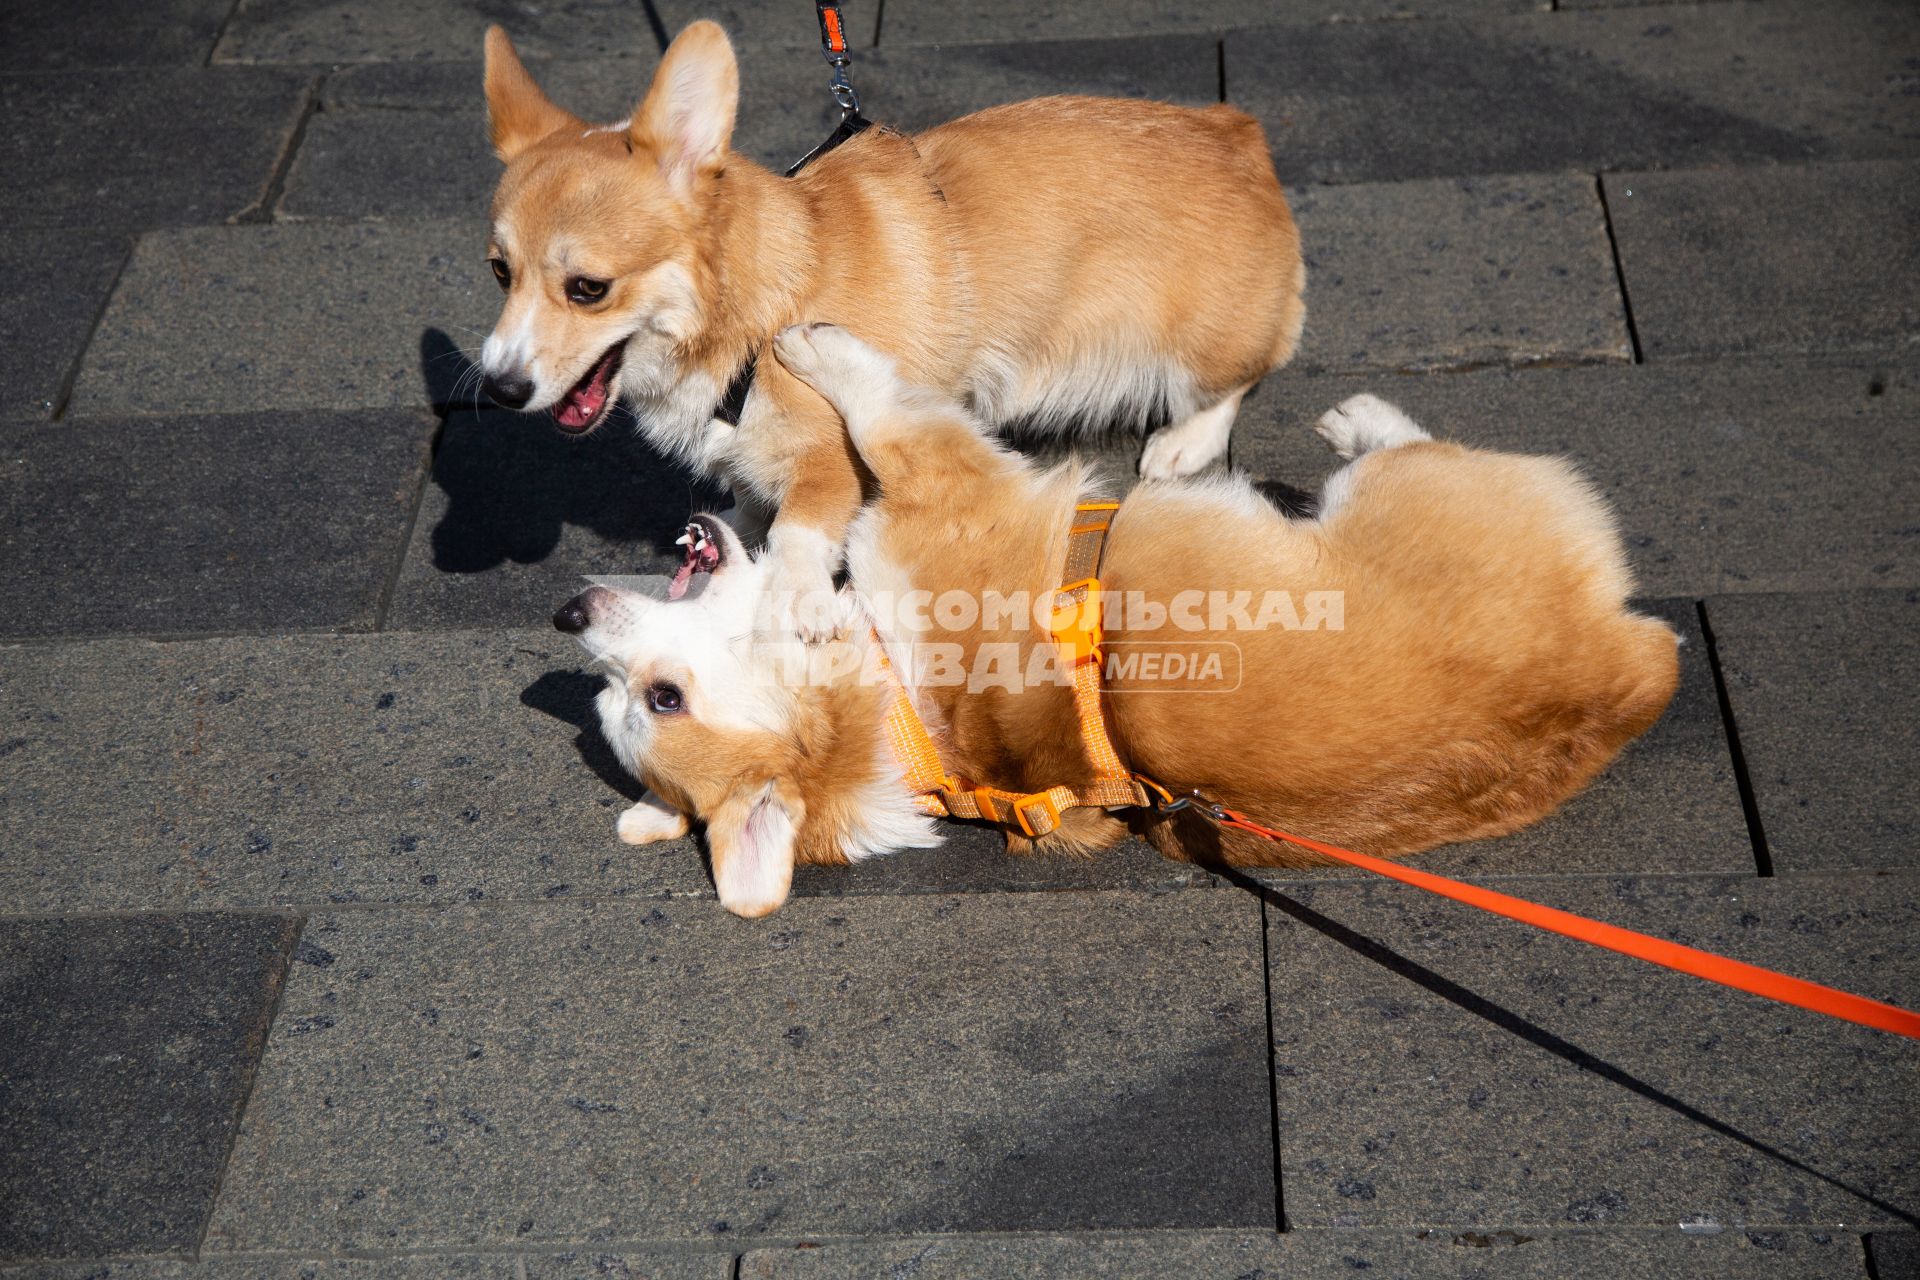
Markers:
<point>1220,64</point>
<point>1743,779</point>
<point>64,396</point>
<point>1273,1075</point>
<point>264,210</point>
<point>384,605</point>
<point>879,21</point>
<point>282,975</point>
<point>1619,268</point>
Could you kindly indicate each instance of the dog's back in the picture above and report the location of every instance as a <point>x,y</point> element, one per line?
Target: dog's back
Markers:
<point>1475,665</point>
<point>1105,232</point>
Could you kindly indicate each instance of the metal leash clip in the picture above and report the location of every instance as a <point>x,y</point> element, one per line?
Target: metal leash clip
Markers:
<point>1164,801</point>
<point>833,44</point>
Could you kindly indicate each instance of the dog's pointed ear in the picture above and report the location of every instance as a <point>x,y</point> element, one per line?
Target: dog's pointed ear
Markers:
<point>751,837</point>
<point>518,113</point>
<point>686,120</point>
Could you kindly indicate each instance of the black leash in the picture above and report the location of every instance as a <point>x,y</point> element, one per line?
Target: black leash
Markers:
<point>833,44</point>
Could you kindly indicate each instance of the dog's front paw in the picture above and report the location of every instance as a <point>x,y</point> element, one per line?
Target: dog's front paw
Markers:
<point>800,598</point>
<point>804,606</point>
<point>649,822</point>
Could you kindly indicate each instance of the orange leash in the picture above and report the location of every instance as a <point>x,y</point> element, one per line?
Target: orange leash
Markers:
<point>1671,955</point>
<point>1076,629</point>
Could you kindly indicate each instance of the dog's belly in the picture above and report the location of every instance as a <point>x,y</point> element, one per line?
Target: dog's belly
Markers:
<point>1089,391</point>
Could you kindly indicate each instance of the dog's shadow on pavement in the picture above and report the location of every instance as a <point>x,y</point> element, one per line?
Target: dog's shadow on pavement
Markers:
<point>512,484</point>
<point>568,696</point>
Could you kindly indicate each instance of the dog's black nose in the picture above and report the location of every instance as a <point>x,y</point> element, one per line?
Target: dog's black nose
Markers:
<point>508,390</point>
<point>571,617</point>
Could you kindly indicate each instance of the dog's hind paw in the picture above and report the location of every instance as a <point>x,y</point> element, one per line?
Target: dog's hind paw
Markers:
<point>1360,424</point>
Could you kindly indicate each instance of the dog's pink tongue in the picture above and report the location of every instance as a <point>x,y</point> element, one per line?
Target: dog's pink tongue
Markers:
<point>678,587</point>
<point>582,404</point>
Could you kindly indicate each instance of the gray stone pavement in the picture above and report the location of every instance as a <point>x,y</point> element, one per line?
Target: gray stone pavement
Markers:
<point>318,956</point>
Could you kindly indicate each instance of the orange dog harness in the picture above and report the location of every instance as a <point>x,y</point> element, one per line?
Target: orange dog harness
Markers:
<point>1076,629</point>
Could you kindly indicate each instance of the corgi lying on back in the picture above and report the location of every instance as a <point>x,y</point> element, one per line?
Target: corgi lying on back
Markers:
<point>1484,669</point>
<point>1064,262</point>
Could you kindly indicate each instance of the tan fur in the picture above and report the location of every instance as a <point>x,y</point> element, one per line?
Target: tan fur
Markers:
<point>1486,669</point>
<point>1027,260</point>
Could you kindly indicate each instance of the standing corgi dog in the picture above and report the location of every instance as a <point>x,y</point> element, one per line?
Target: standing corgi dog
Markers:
<point>1065,261</point>
<point>1483,668</point>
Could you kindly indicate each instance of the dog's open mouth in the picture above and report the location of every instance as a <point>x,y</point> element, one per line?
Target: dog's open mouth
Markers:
<point>705,551</point>
<point>588,400</point>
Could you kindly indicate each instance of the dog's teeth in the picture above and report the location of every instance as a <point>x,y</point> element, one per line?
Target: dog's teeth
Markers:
<point>683,540</point>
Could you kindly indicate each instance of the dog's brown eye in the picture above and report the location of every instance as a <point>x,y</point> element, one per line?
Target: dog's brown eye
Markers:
<point>586,289</point>
<point>664,698</point>
<point>500,272</point>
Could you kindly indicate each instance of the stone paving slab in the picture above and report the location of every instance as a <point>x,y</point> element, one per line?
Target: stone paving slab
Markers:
<point>1635,88</point>
<point>109,33</point>
<point>636,1264</point>
<point>311,770</point>
<point>1798,258</point>
<point>516,516</point>
<point>917,88</point>
<point>629,1264</point>
<point>1727,477</point>
<point>1825,690</point>
<point>52,287</point>
<point>405,140</point>
<point>302,31</point>
<point>1894,1253</point>
<point>1459,272</point>
<point>392,164</point>
<point>597,89</point>
<point>1439,1065</point>
<point>104,148</point>
<point>391,768</point>
<point>932,22</point>
<point>228,319</point>
<point>130,1046</point>
<point>205,523</point>
<point>409,139</point>
<point>1401,1255</point>
<point>1509,270</point>
<point>519,1075</point>
<point>1670,803</point>
<point>974,859</point>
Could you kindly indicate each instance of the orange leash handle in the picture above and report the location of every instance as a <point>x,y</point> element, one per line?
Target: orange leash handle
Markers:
<point>1701,964</point>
